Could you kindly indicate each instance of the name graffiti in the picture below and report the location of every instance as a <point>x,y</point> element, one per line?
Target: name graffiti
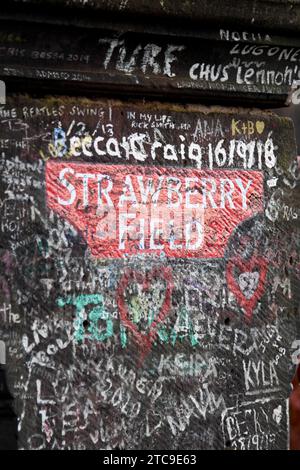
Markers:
<point>249,425</point>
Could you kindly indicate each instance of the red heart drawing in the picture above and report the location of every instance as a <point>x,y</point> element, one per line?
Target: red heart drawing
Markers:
<point>247,266</point>
<point>145,342</point>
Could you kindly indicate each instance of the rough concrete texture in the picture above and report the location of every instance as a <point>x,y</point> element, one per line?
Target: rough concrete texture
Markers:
<point>149,274</point>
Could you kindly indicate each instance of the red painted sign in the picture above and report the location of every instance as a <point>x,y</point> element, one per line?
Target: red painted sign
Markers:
<point>128,210</point>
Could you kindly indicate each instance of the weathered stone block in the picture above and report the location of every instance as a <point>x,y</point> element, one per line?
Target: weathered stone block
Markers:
<point>150,272</point>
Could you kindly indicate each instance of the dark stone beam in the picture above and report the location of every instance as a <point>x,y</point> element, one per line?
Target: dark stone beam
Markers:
<point>245,67</point>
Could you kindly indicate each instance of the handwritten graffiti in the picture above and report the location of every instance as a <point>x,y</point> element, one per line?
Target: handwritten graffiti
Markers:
<point>251,426</point>
<point>145,341</point>
<point>148,297</point>
<point>96,314</point>
<point>249,285</point>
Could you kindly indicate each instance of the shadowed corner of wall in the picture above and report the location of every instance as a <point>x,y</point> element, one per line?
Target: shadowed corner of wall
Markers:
<point>8,418</point>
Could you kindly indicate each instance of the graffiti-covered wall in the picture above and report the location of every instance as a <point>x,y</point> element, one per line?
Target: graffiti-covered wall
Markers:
<point>149,273</point>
